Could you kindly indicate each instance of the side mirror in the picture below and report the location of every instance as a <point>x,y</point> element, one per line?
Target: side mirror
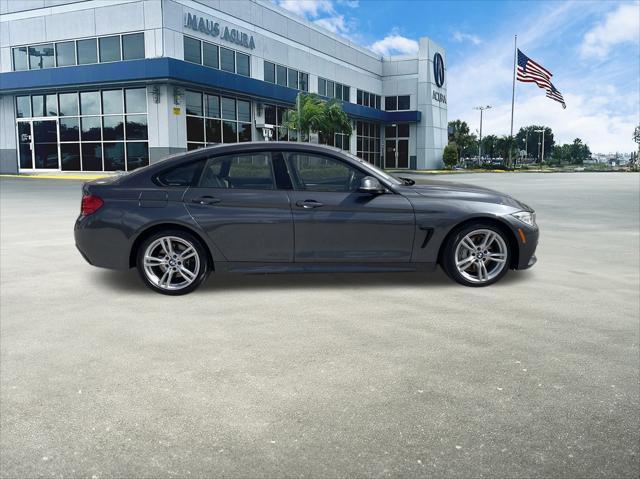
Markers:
<point>369,184</point>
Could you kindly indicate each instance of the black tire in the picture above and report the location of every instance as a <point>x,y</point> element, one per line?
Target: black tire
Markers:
<point>448,260</point>
<point>201,274</point>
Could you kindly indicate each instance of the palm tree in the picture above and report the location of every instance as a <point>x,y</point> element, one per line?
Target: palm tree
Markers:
<point>313,114</point>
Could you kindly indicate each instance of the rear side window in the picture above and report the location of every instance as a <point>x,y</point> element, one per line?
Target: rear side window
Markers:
<point>243,171</point>
<point>183,175</point>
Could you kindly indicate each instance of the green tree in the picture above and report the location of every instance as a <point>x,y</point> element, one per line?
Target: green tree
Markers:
<point>503,145</point>
<point>450,155</point>
<point>489,146</point>
<point>527,139</point>
<point>466,142</point>
<point>313,114</point>
<point>579,152</point>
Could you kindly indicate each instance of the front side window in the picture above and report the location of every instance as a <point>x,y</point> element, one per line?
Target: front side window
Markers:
<point>244,171</point>
<point>322,173</point>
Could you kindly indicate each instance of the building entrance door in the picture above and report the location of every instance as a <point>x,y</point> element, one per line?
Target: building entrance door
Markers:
<point>38,145</point>
<point>396,153</point>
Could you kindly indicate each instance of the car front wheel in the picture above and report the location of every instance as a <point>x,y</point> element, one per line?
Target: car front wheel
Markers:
<point>172,262</point>
<point>477,255</point>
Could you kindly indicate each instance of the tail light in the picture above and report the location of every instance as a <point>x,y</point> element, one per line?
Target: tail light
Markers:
<point>90,204</point>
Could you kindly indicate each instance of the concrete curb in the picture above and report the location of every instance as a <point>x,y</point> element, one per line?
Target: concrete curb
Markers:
<point>58,177</point>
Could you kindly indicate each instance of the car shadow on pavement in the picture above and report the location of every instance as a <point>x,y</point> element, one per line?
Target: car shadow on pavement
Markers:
<point>130,280</point>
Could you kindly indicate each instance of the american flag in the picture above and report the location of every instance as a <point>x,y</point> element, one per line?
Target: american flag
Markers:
<point>529,71</point>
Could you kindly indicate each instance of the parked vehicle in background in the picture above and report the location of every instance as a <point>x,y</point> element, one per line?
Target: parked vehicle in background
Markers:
<point>283,207</point>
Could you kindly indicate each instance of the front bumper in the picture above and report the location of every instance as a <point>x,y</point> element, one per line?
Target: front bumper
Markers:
<point>527,243</point>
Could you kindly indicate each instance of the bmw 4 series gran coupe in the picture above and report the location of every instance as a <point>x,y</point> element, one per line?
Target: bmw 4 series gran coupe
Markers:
<point>290,207</point>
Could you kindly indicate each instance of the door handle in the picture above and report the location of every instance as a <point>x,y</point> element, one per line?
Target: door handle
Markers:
<point>206,200</point>
<point>308,204</point>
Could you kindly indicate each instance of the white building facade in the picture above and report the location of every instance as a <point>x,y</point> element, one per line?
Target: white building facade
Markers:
<point>89,85</point>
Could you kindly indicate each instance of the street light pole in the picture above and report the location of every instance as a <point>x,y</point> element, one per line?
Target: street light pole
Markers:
<point>482,109</point>
<point>542,150</point>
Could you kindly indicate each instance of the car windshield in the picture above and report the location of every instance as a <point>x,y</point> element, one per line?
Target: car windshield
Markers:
<point>375,170</point>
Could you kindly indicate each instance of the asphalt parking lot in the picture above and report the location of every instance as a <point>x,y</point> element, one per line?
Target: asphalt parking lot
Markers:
<point>326,375</point>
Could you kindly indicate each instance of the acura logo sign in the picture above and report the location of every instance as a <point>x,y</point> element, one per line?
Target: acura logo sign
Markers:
<point>438,69</point>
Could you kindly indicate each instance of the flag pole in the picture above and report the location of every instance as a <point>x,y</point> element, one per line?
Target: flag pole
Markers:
<point>513,92</point>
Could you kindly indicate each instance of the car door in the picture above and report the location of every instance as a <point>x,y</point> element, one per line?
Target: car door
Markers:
<point>236,201</point>
<point>333,222</point>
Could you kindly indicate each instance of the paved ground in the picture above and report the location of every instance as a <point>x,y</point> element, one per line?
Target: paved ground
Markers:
<point>328,375</point>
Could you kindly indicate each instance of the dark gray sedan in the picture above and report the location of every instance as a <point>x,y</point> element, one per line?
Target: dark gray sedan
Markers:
<point>291,207</point>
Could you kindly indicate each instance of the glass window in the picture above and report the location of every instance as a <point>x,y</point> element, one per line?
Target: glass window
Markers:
<point>345,92</point>
<point>70,156</point>
<point>390,131</point>
<point>248,171</point>
<point>195,129</point>
<point>69,129</point>
<point>90,103</point>
<point>112,101</point>
<point>304,81</point>
<point>242,64</point>
<point>137,155</point>
<point>270,115</point>
<point>109,48</point>
<point>113,127</point>
<point>184,175</point>
<point>20,59</point>
<point>92,157</point>
<point>192,51</point>
<point>403,102</point>
<point>51,105</point>
<point>359,97</point>
<point>338,91</point>
<point>269,72</point>
<point>23,106</point>
<point>137,127</point>
<point>91,128</point>
<point>213,106</point>
<point>331,89</point>
<point>378,101</point>
<point>66,53</point>
<point>293,79</point>
<point>114,157</point>
<point>135,100</point>
<point>41,56</point>
<point>391,103</point>
<point>68,104</point>
<point>244,132</point>
<point>321,173</point>
<point>228,108</point>
<point>37,105</point>
<point>322,87</point>
<point>213,131</point>
<point>133,46</point>
<point>227,60</point>
<point>281,75</point>
<point>193,101</point>
<point>210,55</point>
<point>403,130</point>
<point>244,110</point>
<point>229,132</point>
<point>87,51</point>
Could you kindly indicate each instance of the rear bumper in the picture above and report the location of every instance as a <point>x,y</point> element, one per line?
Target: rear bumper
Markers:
<point>100,245</point>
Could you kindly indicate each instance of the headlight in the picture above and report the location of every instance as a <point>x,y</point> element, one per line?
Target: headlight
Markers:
<point>526,217</point>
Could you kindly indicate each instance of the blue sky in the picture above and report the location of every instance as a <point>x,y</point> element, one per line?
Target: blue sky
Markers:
<point>591,47</point>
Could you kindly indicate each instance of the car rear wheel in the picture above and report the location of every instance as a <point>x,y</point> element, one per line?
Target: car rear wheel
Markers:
<point>477,255</point>
<point>172,262</point>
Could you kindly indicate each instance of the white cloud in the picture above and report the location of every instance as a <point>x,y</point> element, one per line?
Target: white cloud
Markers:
<point>335,24</point>
<point>349,3</point>
<point>461,37</point>
<point>395,44</point>
<point>307,8</point>
<point>619,26</point>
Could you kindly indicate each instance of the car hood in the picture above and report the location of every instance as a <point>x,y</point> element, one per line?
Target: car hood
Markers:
<point>465,192</point>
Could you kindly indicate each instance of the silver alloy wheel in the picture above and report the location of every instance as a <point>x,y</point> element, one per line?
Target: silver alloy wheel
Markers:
<point>481,255</point>
<point>171,263</point>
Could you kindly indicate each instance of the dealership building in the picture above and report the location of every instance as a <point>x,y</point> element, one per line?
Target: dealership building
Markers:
<point>109,86</point>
